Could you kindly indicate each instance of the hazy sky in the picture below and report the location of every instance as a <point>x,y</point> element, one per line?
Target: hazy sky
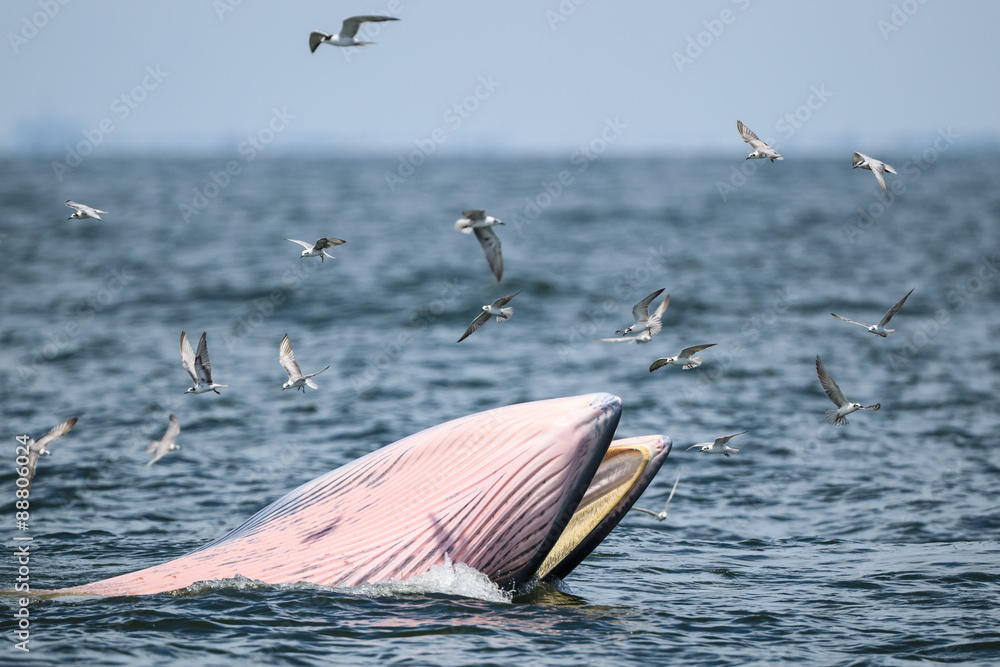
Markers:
<point>517,75</point>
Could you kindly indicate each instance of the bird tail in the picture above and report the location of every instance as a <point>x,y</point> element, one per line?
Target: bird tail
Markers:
<point>312,384</point>
<point>464,226</point>
<point>363,43</point>
<point>888,168</point>
<point>694,362</point>
<point>833,418</point>
<point>655,325</point>
<point>506,313</point>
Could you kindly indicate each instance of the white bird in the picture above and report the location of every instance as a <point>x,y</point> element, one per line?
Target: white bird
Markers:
<point>198,365</point>
<point>296,380</point>
<point>477,221</point>
<point>760,149</point>
<point>346,36</point>
<point>684,359</point>
<point>877,167</point>
<point>646,335</point>
<point>83,211</point>
<point>318,249</point>
<point>38,447</point>
<point>718,446</point>
<point>660,516</point>
<point>643,322</point>
<point>879,329</point>
<point>496,308</point>
<point>166,444</point>
<point>844,407</point>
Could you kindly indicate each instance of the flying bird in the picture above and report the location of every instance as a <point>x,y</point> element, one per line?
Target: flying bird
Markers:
<point>39,447</point>
<point>643,322</point>
<point>318,249</point>
<point>198,365</point>
<point>660,516</point>
<point>83,211</point>
<point>844,407</point>
<point>879,329</point>
<point>760,149</point>
<point>684,359</point>
<point>477,221</point>
<point>346,36</point>
<point>646,335</point>
<point>877,167</point>
<point>496,308</point>
<point>296,380</point>
<point>718,446</point>
<point>166,444</point>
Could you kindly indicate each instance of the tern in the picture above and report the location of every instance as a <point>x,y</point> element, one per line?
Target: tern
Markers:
<point>718,446</point>
<point>760,149</point>
<point>198,365</point>
<point>39,447</point>
<point>318,249</point>
<point>646,335</point>
<point>643,322</point>
<point>477,221</point>
<point>166,444</point>
<point>296,380</point>
<point>660,516</point>
<point>346,36</point>
<point>844,407</point>
<point>879,329</point>
<point>684,359</point>
<point>83,211</point>
<point>496,308</point>
<point>877,167</point>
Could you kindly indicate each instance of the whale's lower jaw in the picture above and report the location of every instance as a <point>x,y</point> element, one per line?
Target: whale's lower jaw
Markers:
<point>497,491</point>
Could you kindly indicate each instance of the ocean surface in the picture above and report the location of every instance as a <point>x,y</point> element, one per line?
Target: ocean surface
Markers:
<point>872,543</point>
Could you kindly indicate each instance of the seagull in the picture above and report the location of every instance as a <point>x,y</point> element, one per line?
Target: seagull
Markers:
<point>166,444</point>
<point>198,366</point>
<point>318,249</point>
<point>646,335</point>
<point>879,329</point>
<point>760,149</point>
<point>296,380</point>
<point>643,322</point>
<point>719,446</point>
<point>495,308</point>
<point>38,447</point>
<point>477,221</point>
<point>844,407</point>
<point>877,167</point>
<point>660,516</point>
<point>683,359</point>
<point>83,211</point>
<point>347,32</point>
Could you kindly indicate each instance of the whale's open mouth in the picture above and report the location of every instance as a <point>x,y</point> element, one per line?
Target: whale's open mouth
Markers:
<point>521,492</point>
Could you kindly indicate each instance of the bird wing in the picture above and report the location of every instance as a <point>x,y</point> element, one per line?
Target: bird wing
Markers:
<point>475,214</point>
<point>54,434</point>
<point>312,375</point>
<point>351,24</point>
<point>33,455</point>
<point>700,444</point>
<point>201,361</point>
<point>287,359</point>
<point>895,309</point>
<point>328,242</point>
<point>73,204</point>
<point>726,438</point>
<point>878,168</point>
<point>491,248</point>
<point>173,430</point>
<point>658,313</point>
<point>640,311</point>
<point>829,386</point>
<point>859,159</point>
<point>504,300</point>
<point>747,134</point>
<point>851,321</point>
<point>307,246</point>
<point>673,490</point>
<point>480,320</point>
<point>646,511</point>
<point>316,38</point>
<point>694,349</point>
<point>659,363</point>
<point>187,357</point>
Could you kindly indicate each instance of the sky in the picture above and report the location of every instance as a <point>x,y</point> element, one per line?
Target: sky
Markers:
<point>518,76</point>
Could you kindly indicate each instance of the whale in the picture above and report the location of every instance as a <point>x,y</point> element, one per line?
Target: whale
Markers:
<point>521,493</point>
